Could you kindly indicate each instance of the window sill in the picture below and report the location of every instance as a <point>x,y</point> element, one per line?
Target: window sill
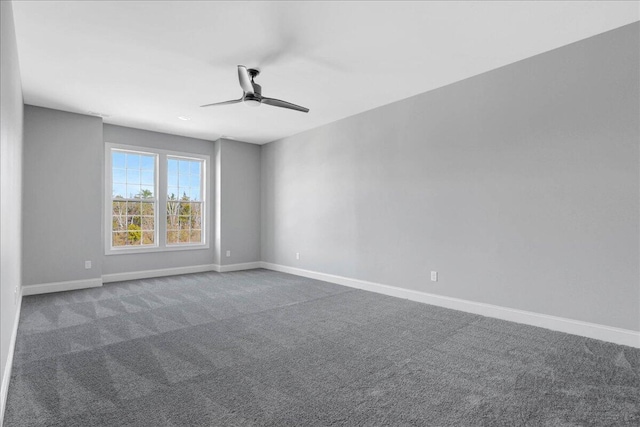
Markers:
<point>129,251</point>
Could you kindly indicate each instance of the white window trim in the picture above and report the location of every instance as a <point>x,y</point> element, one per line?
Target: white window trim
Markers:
<point>161,201</point>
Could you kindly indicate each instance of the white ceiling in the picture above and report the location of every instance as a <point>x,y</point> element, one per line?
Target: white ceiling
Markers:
<point>145,63</point>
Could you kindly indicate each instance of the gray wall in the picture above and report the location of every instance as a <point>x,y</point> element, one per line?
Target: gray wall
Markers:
<point>62,207</point>
<point>11,146</point>
<point>240,201</point>
<point>160,260</point>
<point>64,152</point>
<point>520,186</point>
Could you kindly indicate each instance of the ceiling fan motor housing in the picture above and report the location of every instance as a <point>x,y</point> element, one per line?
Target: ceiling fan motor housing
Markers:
<point>257,89</point>
<point>254,100</point>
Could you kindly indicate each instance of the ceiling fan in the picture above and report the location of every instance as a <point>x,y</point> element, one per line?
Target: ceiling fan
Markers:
<point>252,95</point>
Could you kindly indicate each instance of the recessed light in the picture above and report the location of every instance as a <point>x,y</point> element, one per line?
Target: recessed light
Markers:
<point>184,118</point>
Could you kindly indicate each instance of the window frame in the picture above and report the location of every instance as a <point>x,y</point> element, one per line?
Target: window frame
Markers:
<point>161,179</point>
<point>201,201</point>
<point>155,200</point>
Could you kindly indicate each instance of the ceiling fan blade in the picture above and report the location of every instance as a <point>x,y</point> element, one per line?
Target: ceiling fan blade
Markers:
<point>283,104</point>
<point>245,81</point>
<point>233,101</point>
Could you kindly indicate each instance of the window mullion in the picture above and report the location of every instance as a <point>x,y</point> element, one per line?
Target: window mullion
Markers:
<point>161,180</point>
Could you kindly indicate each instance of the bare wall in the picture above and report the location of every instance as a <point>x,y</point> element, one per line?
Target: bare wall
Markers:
<point>520,186</point>
<point>11,148</point>
<point>239,202</point>
<point>62,196</point>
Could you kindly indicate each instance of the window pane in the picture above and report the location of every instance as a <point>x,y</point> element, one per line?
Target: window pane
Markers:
<point>133,191</point>
<point>119,223</point>
<point>118,159</point>
<point>147,208</point>
<point>184,219</point>
<point>119,208</point>
<point>148,223</point>
<point>134,236</point>
<point>133,161</point>
<point>183,167</point>
<point>172,208</point>
<point>147,163</point>
<point>196,215</point>
<point>119,191</point>
<point>133,208</point>
<point>172,193</point>
<point>172,222</point>
<point>119,239</point>
<point>148,238</point>
<point>196,236</point>
<point>172,165</point>
<point>194,168</point>
<point>146,177</point>
<point>146,192</point>
<point>133,176</point>
<point>119,175</point>
<point>184,180</point>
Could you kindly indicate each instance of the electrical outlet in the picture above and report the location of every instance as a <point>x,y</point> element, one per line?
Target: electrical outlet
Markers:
<point>434,276</point>
<point>228,253</point>
<point>297,255</point>
<point>87,265</point>
<point>15,295</point>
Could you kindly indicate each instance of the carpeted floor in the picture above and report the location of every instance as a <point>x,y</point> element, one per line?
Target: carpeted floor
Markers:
<point>264,348</point>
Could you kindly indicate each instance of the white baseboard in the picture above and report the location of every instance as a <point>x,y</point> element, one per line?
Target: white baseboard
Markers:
<point>238,267</point>
<point>6,375</point>
<point>147,274</point>
<point>45,288</point>
<point>561,324</point>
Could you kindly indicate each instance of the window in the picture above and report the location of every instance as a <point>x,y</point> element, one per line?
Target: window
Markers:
<point>184,201</point>
<point>156,200</point>
<point>133,201</point>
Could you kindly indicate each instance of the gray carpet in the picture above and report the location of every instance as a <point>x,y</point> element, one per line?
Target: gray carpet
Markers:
<point>265,348</point>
